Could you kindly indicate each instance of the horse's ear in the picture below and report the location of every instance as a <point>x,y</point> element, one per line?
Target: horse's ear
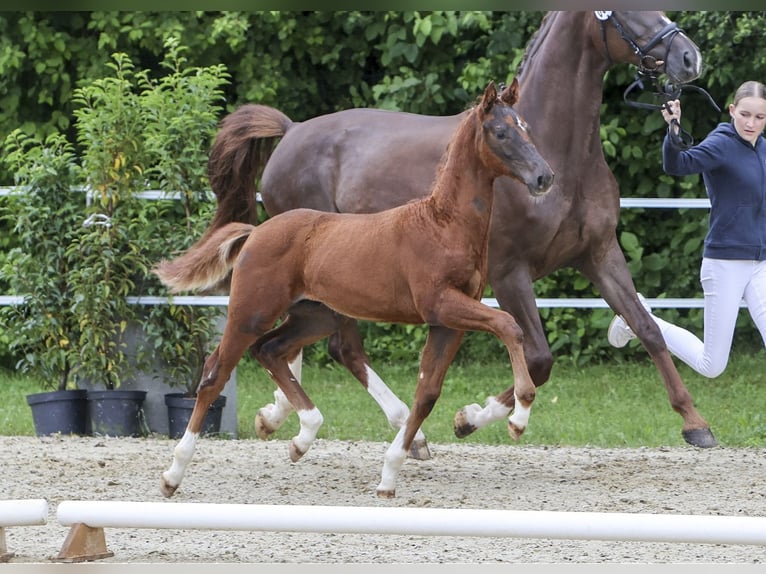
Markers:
<point>510,94</point>
<point>490,97</point>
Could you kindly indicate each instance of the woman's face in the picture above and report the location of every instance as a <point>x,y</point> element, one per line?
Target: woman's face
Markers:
<point>749,117</point>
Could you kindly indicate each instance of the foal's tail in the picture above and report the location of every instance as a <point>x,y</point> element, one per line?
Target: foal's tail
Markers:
<point>207,263</point>
<point>243,145</point>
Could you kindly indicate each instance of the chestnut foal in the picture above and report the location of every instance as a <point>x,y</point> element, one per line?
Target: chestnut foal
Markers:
<point>421,263</point>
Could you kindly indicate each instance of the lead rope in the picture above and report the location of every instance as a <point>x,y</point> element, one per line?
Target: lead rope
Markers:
<point>668,92</point>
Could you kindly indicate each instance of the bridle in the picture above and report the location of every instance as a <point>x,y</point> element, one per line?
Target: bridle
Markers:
<point>649,68</point>
<point>647,63</point>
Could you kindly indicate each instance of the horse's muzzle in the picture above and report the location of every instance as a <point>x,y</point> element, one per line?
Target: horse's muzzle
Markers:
<point>543,184</point>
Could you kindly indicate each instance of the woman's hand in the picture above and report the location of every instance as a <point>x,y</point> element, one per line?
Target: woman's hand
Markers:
<point>672,111</point>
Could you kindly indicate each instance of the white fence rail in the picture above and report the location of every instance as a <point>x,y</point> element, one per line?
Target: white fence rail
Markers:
<point>572,303</point>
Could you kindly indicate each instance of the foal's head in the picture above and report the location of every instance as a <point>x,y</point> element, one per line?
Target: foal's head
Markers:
<point>507,146</point>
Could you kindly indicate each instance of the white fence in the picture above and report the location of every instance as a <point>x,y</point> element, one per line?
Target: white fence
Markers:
<point>572,303</point>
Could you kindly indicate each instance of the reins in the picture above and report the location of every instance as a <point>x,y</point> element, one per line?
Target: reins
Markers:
<point>648,67</point>
<point>668,92</point>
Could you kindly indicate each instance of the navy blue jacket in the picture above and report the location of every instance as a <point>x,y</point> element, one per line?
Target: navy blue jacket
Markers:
<point>734,173</point>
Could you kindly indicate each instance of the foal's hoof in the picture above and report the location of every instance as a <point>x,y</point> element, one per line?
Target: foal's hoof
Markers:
<point>461,425</point>
<point>419,450</point>
<point>385,493</point>
<point>167,489</point>
<point>702,438</point>
<point>295,452</point>
<point>515,431</point>
<point>262,427</point>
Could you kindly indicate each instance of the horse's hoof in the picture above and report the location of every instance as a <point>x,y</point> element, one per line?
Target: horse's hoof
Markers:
<point>166,489</point>
<point>295,452</point>
<point>419,450</point>
<point>703,438</point>
<point>262,428</point>
<point>515,431</point>
<point>461,425</point>
<point>386,493</point>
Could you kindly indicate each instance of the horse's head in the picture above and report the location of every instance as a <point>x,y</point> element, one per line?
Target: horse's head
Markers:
<point>507,141</point>
<point>650,41</point>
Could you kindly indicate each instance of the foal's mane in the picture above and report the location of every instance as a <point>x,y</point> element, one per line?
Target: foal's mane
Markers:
<point>535,42</point>
<point>440,210</point>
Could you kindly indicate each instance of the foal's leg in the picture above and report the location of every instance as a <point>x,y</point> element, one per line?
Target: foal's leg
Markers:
<point>289,385</point>
<point>441,346</point>
<point>307,323</point>
<point>459,311</point>
<point>514,293</point>
<point>272,416</point>
<point>266,350</point>
<point>216,372</point>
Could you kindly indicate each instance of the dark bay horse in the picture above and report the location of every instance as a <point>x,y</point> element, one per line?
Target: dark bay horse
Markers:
<point>421,263</point>
<point>366,160</point>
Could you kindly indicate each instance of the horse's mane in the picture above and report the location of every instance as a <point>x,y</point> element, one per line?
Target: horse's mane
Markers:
<point>534,42</point>
<point>433,204</point>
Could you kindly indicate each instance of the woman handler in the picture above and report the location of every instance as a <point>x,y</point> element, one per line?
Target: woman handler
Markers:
<point>732,161</point>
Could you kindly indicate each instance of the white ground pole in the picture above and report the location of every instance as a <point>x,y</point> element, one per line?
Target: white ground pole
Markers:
<point>23,512</point>
<point>32,512</point>
<point>417,521</point>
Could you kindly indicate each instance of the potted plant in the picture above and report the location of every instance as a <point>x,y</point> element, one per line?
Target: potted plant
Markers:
<point>138,133</point>
<point>110,131</point>
<point>43,329</point>
<point>181,110</point>
<point>81,257</point>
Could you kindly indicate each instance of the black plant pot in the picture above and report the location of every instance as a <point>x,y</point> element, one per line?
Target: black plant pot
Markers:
<point>116,413</point>
<point>64,412</point>
<point>180,407</point>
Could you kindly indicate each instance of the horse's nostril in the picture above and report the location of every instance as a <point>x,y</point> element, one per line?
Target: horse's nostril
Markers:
<point>688,63</point>
<point>545,181</point>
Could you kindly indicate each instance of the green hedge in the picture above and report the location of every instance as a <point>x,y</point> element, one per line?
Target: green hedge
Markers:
<point>311,63</point>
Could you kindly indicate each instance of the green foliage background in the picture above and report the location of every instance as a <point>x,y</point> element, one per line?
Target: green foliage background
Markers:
<point>312,63</point>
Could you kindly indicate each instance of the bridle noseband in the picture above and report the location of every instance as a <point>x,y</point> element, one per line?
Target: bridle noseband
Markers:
<point>648,68</point>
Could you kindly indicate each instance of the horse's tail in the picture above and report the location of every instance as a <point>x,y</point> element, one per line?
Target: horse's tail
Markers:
<point>207,263</point>
<point>244,142</point>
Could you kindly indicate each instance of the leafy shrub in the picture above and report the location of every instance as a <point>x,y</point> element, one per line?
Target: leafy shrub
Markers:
<point>77,264</point>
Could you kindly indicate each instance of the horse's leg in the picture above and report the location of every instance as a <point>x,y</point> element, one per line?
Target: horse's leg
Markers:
<point>611,276</point>
<point>458,311</point>
<point>440,348</point>
<point>347,348</point>
<point>216,372</point>
<point>272,416</point>
<point>515,294</point>
<point>308,414</point>
<point>308,322</point>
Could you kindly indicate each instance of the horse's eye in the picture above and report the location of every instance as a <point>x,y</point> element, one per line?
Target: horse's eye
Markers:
<point>500,132</point>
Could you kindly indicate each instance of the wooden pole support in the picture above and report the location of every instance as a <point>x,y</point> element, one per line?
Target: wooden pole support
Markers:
<point>5,556</point>
<point>84,543</point>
